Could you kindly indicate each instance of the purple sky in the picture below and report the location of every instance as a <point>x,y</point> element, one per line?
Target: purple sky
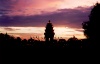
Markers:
<point>16,15</point>
<point>70,13</point>
<point>61,17</point>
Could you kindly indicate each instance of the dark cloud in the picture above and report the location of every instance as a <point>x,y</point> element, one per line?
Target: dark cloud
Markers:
<point>10,29</point>
<point>62,17</point>
<point>80,30</point>
<point>6,6</point>
<point>4,11</point>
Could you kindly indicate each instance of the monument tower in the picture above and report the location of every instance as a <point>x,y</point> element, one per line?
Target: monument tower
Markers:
<point>49,32</point>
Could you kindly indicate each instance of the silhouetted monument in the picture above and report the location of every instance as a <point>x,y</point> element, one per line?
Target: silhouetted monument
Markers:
<point>49,32</point>
<point>91,27</point>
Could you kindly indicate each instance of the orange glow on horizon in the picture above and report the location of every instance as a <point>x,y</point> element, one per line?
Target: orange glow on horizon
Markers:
<point>27,32</point>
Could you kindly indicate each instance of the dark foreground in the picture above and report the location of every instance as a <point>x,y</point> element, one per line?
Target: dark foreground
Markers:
<point>7,41</point>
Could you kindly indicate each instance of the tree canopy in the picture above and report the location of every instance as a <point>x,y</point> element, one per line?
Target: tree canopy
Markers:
<point>91,27</point>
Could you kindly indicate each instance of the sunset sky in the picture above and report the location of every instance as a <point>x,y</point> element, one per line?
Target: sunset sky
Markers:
<point>28,18</point>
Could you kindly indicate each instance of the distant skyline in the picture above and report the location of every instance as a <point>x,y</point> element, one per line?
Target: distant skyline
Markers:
<point>28,16</point>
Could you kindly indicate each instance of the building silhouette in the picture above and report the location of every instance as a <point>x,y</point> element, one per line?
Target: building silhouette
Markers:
<point>49,32</point>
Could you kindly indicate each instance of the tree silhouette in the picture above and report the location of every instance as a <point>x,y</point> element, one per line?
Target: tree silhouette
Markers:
<point>49,32</point>
<point>91,27</point>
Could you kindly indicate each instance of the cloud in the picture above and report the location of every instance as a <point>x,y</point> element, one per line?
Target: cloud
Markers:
<point>33,7</point>
<point>5,4</point>
<point>61,17</point>
<point>28,7</point>
<point>9,29</point>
